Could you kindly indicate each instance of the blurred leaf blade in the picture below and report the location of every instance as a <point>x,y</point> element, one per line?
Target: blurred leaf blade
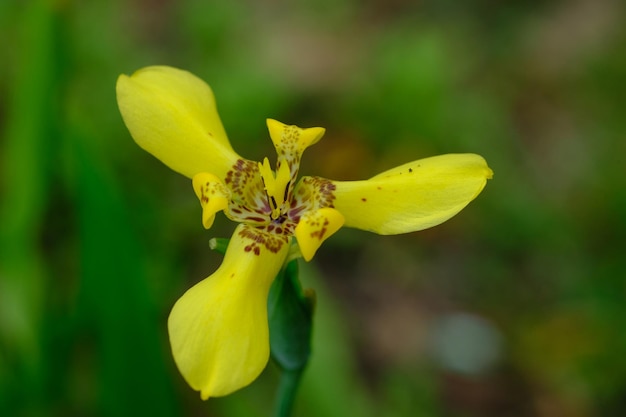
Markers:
<point>115,301</point>
<point>27,158</point>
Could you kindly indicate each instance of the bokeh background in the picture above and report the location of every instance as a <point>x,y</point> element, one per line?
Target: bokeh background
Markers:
<point>516,307</point>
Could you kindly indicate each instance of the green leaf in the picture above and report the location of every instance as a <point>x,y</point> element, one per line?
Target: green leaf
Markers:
<point>290,312</point>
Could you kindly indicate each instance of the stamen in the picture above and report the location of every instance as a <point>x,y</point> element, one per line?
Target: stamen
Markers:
<point>275,186</point>
<point>287,191</point>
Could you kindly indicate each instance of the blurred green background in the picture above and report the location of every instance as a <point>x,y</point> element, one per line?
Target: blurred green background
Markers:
<point>516,307</point>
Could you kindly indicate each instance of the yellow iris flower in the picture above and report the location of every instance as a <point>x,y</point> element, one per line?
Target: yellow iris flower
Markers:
<point>219,328</point>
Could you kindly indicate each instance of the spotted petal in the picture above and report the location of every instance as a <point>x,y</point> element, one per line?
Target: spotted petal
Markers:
<point>315,227</point>
<point>213,196</point>
<point>413,196</point>
<point>293,139</point>
<point>218,329</point>
<point>171,113</point>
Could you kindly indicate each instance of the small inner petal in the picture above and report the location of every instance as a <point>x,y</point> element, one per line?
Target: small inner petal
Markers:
<point>293,139</point>
<point>315,227</point>
<point>213,196</point>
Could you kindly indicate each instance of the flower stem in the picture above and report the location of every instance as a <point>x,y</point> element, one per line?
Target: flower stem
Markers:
<point>290,316</point>
<point>287,388</point>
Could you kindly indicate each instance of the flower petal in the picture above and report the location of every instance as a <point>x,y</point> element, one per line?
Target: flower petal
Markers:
<point>315,227</point>
<point>171,113</point>
<point>290,142</point>
<point>413,196</point>
<point>218,329</point>
<point>289,138</point>
<point>213,196</point>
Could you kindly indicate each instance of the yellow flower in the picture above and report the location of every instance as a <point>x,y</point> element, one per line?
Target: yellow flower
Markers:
<point>218,329</point>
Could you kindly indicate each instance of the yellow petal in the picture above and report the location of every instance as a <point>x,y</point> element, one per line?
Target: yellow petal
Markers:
<point>171,113</point>
<point>213,196</point>
<point>315,227</point>
<point>293,138</point>
<point>413,196</point>
<point>218,329</point>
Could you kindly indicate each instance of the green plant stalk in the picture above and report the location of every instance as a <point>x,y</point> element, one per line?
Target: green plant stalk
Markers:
<point>287,390</point>
<point>290,314</point>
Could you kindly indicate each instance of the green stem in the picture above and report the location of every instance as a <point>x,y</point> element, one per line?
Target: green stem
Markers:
<point>287,388</point>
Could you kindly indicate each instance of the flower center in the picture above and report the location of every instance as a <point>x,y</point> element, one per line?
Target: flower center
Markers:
<point>268,202</point>
<point>276,187</point>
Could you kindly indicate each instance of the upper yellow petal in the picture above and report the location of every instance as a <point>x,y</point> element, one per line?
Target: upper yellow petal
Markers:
<point>289,138</point>
<point>172,114</point>
<point>413,196</point>
<point>218,329</point>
